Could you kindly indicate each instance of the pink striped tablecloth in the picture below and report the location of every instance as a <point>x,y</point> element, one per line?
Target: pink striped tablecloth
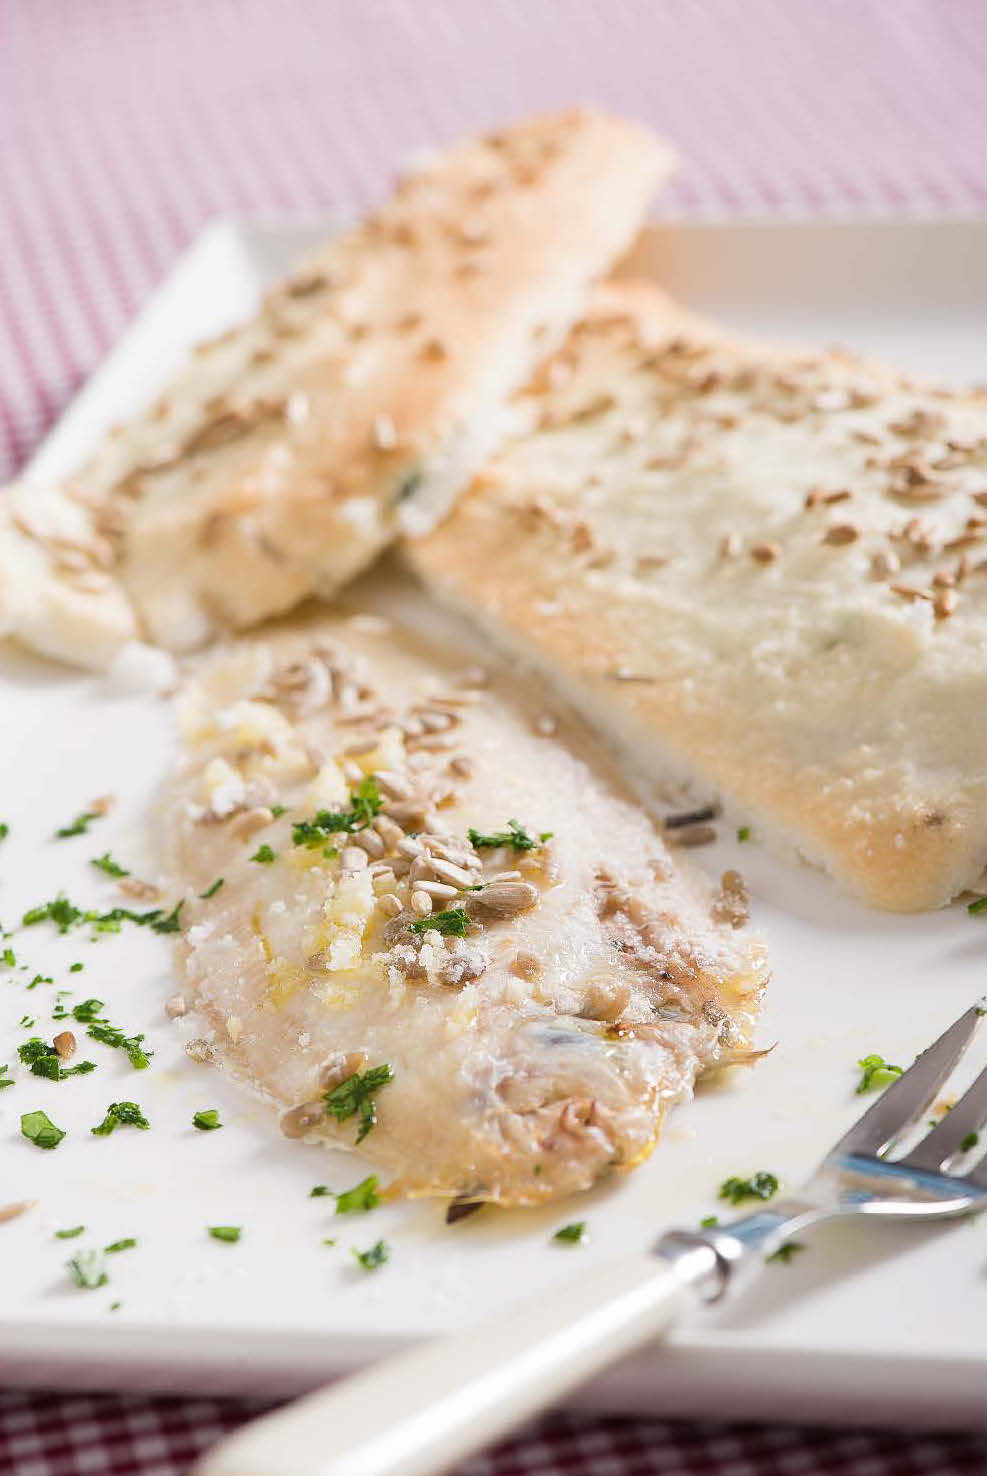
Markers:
<point>126,124</point>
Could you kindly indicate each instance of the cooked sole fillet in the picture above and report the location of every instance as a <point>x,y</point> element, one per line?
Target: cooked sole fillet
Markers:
<point>370,385</point>
<point>592,983</point>
<point>759,569</point>
<point>56,592</point>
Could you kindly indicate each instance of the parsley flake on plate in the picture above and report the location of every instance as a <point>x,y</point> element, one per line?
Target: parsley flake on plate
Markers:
<point>968,1141</point>
<point>875,1073</point>
<point>319,1191</point>
<point>39,1129</point>
<point>69,1234</point>
<point>230,1233</point>
<point>88,1269</point>
<point>355,1095</point>
<point>45,1061</point>
<point>574,1234</point>
<point>120,1114</point>
<point>88,1013</point>
<point>264,855</point>
<point>211,891</point>
<point>978,906</point>
<point>106,863</point>
<point>761,1185</point>
<point>375,1257</point>
<point>5,1080</point>
<point>207,1120</point>
<point>79,826</point>
<point>126,1244</point>
<point>360,1198</point>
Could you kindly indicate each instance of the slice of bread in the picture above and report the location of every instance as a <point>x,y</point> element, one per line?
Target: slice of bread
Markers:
<point>371,384</point>
<point>760,569</point>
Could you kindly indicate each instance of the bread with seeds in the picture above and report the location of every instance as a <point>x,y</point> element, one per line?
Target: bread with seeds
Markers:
<point>761,571</point>
<point>370,384</point>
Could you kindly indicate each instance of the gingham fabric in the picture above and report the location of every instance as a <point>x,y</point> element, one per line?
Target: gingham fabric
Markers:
<point>126,124</point>
<point>111,1435</point>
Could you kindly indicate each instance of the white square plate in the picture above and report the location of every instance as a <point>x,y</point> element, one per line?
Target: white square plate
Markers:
<point>867,1324</point>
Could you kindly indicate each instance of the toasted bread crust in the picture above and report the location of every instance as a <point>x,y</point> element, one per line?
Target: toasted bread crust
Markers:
<point>769,563</point>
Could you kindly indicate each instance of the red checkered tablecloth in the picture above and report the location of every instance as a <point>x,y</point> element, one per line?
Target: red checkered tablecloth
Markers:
<point>126,124</point>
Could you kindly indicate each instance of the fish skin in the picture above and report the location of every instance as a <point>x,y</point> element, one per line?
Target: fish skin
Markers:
<point>505,1088</point>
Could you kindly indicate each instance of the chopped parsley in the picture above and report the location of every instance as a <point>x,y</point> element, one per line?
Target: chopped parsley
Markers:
<point>8,958</point>
<point>761,1185</point>
<point>875,1073</point>
<point>79,826</point>
<point>744,833</point>
<point>709,1222</point>
<point>5,1080</point>
<point>88,1269</point>
<point>277,811</point>
<point>106,863</point>
<point>66,915</point>
<point>76,968</point>
<point>44,1061</point>
<point>319,1191</point>
<point>230,1233</point>
<point>980,905</point>
<point>126,1244</point>
<point>452,923</point>
<point>264,855</point>
<point>88,1013</point>
<point>170,924</point>
<point>39,1129</point>
<point>71,1234</point>
<point>968,1141</point>
<point>514,836</point>
<point>355,1095</point>
<point>4,830</point>
<point>211,891</point>
<point>360,1198</point>
<point>573,1234</point>
<point>375,1257</point>
<point>365,803</point>
<point>120,1114</point>
<point>786,1252</point>
<point>60,911</point>
<point>207,1120</point>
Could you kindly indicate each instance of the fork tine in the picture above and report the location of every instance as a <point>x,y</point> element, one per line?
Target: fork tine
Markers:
<point>903,1103</point>
<point>969,1115</point>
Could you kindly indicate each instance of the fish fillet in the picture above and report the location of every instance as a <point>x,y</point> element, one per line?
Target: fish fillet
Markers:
<point>588,977</point>
<point>759,569</point>
<point>356,402</point>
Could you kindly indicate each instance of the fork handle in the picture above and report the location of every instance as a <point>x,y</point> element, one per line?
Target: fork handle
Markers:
<point>420,1412</point>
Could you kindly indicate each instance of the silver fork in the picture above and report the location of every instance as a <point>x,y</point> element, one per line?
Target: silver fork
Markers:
<point>419,1413</point>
